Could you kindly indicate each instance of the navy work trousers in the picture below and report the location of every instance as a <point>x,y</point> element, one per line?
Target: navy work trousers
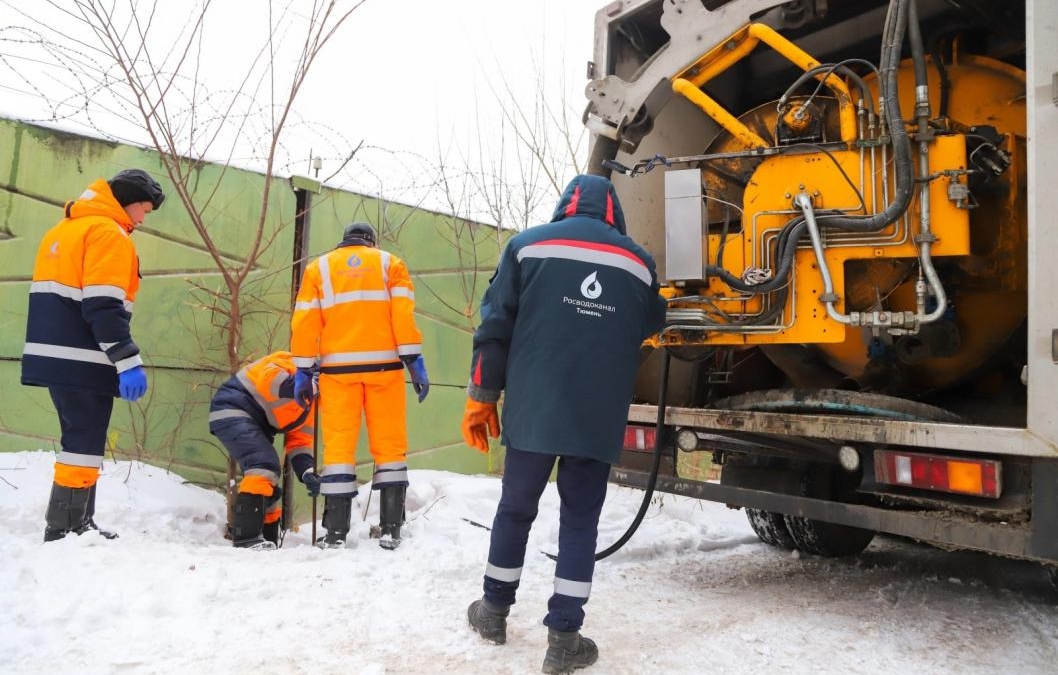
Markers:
<point>84,417</point>
<point>582,491</point>
<point>247,444</point>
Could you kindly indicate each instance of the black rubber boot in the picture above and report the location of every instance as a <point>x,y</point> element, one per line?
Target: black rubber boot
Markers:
<point>336,514</point>
<point>270,531</point>
<point>567,651</point>
<point>247,522</point>
<point>488,621</point>
<point>67,509</point>
<point>391,516</point>
<point>273,531</point>
<point>89,521</point>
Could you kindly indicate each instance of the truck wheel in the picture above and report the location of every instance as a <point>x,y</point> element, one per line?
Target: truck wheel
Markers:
<point>824,482</point>
<point>827,539</point>
<point>758,474</point>
<point>771,528</point>
<point>818,537</point>
<point>1053,572</point>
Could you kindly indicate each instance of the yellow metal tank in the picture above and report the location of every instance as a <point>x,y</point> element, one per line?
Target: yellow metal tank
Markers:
<point>980,225</point>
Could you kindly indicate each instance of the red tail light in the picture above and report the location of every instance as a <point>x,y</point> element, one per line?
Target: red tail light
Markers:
<point>978,477</point>
<point>640,438</point>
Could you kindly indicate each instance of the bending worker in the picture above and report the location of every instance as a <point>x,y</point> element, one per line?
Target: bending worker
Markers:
<point>245,414</point>
<point>354,316</point>
<point>78,336</point>
<point>562,323</point>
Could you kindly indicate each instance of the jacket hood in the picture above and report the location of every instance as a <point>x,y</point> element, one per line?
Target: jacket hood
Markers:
<point>592,197</point>
<point>98,200</point>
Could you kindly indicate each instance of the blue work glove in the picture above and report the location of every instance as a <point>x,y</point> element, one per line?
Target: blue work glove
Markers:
<point>132,383</point>
<point>311,479</point>
<point>420,382</point>
<point>304,387</point>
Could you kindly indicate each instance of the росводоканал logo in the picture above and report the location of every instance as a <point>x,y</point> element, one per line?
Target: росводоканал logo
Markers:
<point>590,287</point>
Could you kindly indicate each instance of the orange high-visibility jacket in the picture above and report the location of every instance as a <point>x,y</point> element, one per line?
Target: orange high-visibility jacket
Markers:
<point>264,392</point>
<point>85,280</point>
<point>355,311</point>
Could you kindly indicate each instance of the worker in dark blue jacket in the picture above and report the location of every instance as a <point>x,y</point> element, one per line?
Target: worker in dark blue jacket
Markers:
<point>562,323</point>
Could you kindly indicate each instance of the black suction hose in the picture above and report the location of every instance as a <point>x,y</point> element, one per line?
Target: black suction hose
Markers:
<point>658,436</point>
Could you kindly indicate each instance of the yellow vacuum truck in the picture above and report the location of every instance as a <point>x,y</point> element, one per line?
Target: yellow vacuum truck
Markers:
<point>854,209</point>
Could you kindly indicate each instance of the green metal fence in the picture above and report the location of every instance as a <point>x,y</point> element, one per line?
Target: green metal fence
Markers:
<point>180,329</point>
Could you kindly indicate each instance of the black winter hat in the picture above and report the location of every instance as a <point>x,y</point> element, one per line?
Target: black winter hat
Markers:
<point>136,185</point>
<point>362,231</point>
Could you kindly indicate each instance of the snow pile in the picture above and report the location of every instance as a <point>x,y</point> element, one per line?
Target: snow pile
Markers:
<point>692,592</point>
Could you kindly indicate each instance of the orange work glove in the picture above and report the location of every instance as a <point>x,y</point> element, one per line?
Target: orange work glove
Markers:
<point>478,419</point>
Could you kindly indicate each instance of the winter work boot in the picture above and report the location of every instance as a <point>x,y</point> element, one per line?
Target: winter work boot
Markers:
<point>273,531</point>
<point>89,520</point>
<point>391,516</point>
<point>336,514</point>
<point>247,522</point>
<point>488,621</point>
<point>270,532</point>
<point>66,511</point>
<point>568,651</point>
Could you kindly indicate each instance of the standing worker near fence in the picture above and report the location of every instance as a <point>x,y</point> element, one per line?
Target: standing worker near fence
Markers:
<point>78,336</point>
<point>246,413</point>
<point>354,318</point>
<point>562,322</point>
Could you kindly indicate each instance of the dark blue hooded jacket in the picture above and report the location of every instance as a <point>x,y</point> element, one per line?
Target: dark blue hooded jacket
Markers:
<point>562,322</point>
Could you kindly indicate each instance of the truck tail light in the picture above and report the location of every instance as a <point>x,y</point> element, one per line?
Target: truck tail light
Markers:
<point>640,438</point>
<point>978,477</point>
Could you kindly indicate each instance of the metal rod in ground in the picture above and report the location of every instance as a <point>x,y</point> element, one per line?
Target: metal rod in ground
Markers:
<point>315,457</point>
<point>286,501</point>
<point>367,504</point>
<point>476,523</point>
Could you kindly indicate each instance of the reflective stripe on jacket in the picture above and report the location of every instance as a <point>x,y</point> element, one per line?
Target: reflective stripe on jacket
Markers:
<point>562,322</point>
<point>85,280</point>
<point>355,310</point>
<point>264,392</point>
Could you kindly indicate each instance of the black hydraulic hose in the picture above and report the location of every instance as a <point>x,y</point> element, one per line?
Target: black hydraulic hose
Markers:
<point>865,92</point>
<point>896,23</point>
<point>652,481</point>
<point>602,149</point>
<point>918,51</point>
<point>942,75</point>
<point>784,254</point>
<point>892,43</point>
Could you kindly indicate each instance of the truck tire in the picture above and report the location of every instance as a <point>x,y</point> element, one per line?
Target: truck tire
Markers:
<point>827,539</point>
<point>771,528</point>
<point>825,482</point>
<point>821,538</point>
<point>763,474</point>
<point>1053,573</point>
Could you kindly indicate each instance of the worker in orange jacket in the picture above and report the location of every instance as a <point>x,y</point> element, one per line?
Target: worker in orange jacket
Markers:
<point>246,413</point>
<point>78,337</point>
<point>355,318</point>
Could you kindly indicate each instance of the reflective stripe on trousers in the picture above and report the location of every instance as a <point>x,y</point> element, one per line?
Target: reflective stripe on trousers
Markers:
<point>338,480</point>
<point>84,417</point>
<point>582,490</point>
<point>393,474</point>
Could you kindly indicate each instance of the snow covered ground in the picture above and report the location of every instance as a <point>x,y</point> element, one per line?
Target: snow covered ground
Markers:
<point>692,592</point>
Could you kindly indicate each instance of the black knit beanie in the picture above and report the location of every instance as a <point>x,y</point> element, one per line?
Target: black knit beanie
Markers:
<point>135,185</point>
